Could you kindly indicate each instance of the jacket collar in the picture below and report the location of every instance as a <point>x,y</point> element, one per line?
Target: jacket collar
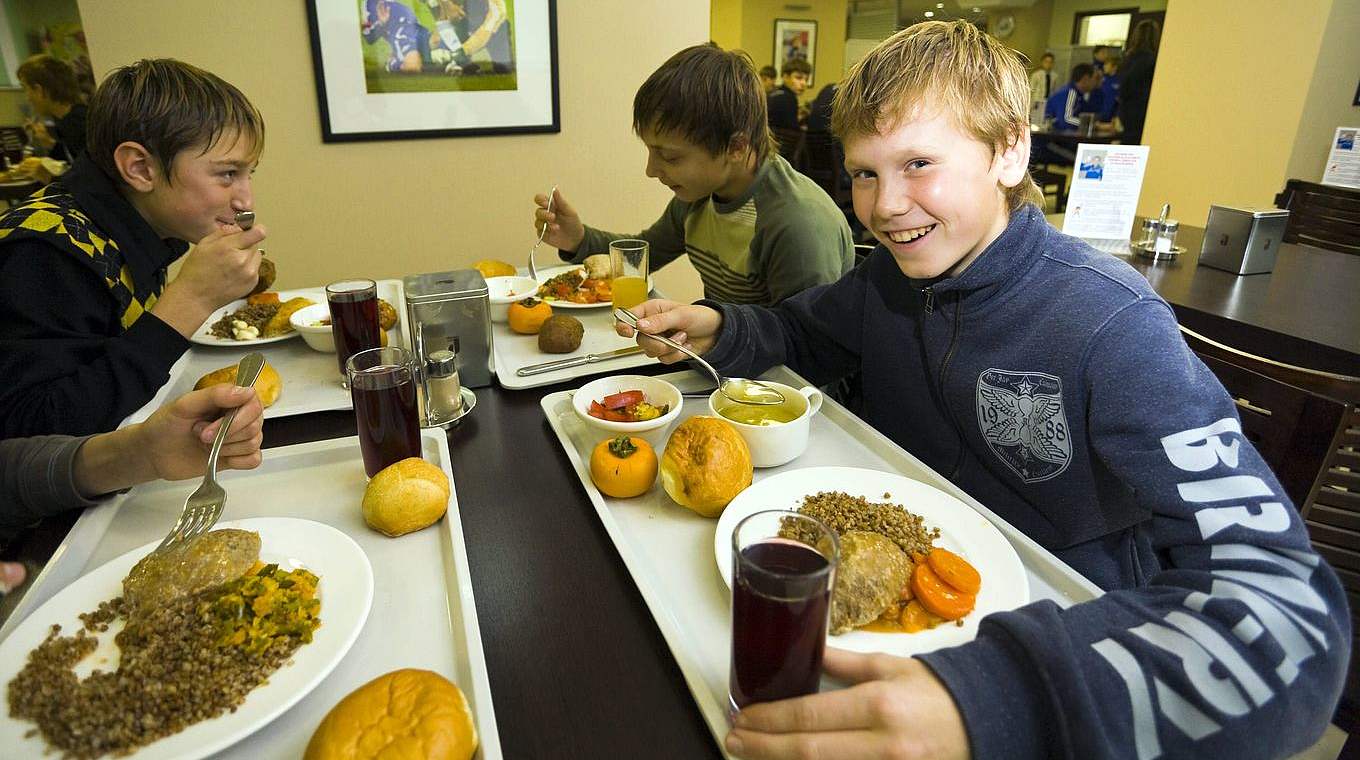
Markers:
<point>97,195</point>
<point>1001,263</point>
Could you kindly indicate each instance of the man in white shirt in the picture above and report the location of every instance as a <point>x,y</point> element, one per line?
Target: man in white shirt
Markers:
<point>1041,81</point>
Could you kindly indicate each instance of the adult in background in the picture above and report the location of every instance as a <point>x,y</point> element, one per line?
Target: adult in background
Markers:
<point>1135,75</point>
<point>89,328</point>
<point>1041,80</point>
<point>51,86</point>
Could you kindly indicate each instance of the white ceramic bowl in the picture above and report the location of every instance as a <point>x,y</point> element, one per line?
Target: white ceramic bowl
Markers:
<point>776,444</point>
<point>503,291</point>
<point>656,391</point>
<point>307,321</point>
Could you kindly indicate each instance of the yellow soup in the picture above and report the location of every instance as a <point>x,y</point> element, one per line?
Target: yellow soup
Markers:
<point>760,415</point>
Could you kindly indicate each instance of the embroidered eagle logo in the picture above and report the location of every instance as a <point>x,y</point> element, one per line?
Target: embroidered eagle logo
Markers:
<point>1022,419</point>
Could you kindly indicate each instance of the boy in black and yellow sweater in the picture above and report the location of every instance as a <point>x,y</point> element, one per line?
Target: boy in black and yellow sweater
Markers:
<point>88,326</point>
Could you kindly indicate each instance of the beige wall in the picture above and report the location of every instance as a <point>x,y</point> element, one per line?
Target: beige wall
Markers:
<point>1032,26</point>
<point>757,34</point>
<point>10,101</point>
<point>1330,94</point>
<point>725,24</point>
<point>385,209</point>
<point>1222,125</point>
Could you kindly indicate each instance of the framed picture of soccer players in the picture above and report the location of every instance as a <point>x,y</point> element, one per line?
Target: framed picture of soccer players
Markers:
<point>393,69</point>
<point>795,38</point>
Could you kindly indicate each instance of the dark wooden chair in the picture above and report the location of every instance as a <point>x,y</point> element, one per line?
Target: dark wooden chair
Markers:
<point>1324,406</point>
<point>12,142</point>
<point>824,163</point>
<point>1050,179</point>
<point>790,145</point>
<point>1321,215</point>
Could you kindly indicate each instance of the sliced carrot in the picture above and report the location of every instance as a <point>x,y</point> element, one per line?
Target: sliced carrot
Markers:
<point>954,570</point>
<point>937,596</point>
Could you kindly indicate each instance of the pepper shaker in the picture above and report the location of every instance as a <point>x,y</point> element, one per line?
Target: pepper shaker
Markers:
<point>444,394</point>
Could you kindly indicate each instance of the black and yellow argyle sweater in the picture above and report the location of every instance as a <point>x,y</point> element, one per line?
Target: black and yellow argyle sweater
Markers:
<point>51,215</point>
<point>80,270</point>
<point>780,237</point>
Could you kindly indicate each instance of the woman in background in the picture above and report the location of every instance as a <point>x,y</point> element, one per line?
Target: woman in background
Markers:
<point>1135,87</point>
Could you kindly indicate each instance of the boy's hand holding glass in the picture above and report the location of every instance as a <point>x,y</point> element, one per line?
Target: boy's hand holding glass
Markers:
<point>565,230</point>
<point>895,708</point>
<point>688,324</point>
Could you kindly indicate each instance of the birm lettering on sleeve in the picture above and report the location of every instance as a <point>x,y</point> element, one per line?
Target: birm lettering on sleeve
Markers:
<point>1274,604</point>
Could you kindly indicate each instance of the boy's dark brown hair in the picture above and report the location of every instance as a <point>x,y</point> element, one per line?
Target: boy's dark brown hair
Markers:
<point>167,107</point>
<point>54,76</point>
<point>795,66</point>
<point>708,96</point>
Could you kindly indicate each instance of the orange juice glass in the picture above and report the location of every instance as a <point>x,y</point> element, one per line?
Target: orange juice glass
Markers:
<point>628,271</point>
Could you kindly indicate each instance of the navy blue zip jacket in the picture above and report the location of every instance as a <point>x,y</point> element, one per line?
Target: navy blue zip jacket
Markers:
<point>1051,383</point>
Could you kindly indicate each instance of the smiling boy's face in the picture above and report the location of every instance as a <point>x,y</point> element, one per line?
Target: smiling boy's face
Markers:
<point>209,188</point>
<point>931,193</point>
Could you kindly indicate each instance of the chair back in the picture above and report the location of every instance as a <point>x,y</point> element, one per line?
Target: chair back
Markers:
<point>1321,215</point>
<point>12,142</point>
<point>1291,427</point>
<point>824,163</point>
<point>790,144</point>
<point>862,251</point>
<point>1046,179</point>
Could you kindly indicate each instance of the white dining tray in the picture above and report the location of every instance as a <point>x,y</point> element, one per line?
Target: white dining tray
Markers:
<point>669,549</point>
<point>514,351</point>
<point>311,379</point>
<point>423,614</point>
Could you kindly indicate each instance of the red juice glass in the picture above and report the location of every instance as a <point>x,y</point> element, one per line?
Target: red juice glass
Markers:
<point>384,391</point>
<point>354,318</point>
<point>781,605</point>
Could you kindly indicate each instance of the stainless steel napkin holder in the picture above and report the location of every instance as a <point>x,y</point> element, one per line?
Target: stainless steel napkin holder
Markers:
<point>451,309</point>
<point>1242,240</point>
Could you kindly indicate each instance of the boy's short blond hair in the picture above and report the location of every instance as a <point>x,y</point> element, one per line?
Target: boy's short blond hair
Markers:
<point>950,65</point>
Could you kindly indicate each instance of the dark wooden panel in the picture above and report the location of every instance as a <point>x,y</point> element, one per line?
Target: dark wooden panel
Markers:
<point>1341,518</point>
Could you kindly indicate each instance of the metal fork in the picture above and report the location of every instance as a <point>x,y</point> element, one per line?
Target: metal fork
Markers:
<point>204,505</point>
<point>533,270</point>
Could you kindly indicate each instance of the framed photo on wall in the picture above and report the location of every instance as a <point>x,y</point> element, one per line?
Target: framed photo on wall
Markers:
<point>395,69</point>
<point>795,38</point>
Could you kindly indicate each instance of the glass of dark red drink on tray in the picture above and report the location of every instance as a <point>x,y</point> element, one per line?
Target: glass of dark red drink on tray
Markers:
<point>383,387</point>
<point>783,571</point>
<point>354,318</point>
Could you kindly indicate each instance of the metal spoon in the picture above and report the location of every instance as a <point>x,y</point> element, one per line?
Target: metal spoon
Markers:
<point>737,389</point>
<point>245,219</point>
<point>533,270</point>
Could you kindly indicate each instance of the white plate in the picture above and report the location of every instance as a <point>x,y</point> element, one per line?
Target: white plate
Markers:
<point>346,591</point>
<point>204,338</point>
<point>547,274</point>
<point>962,531</point>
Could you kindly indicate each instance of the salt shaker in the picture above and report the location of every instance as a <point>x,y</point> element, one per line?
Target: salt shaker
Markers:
<point>1166,236</point>
<point>444,401</point>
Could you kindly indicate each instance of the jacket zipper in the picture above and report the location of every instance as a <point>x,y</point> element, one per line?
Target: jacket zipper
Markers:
<point>929,294</point>
<point>944,400</point>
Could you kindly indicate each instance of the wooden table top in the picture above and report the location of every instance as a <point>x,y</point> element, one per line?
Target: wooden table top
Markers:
<point>1305,312</point>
